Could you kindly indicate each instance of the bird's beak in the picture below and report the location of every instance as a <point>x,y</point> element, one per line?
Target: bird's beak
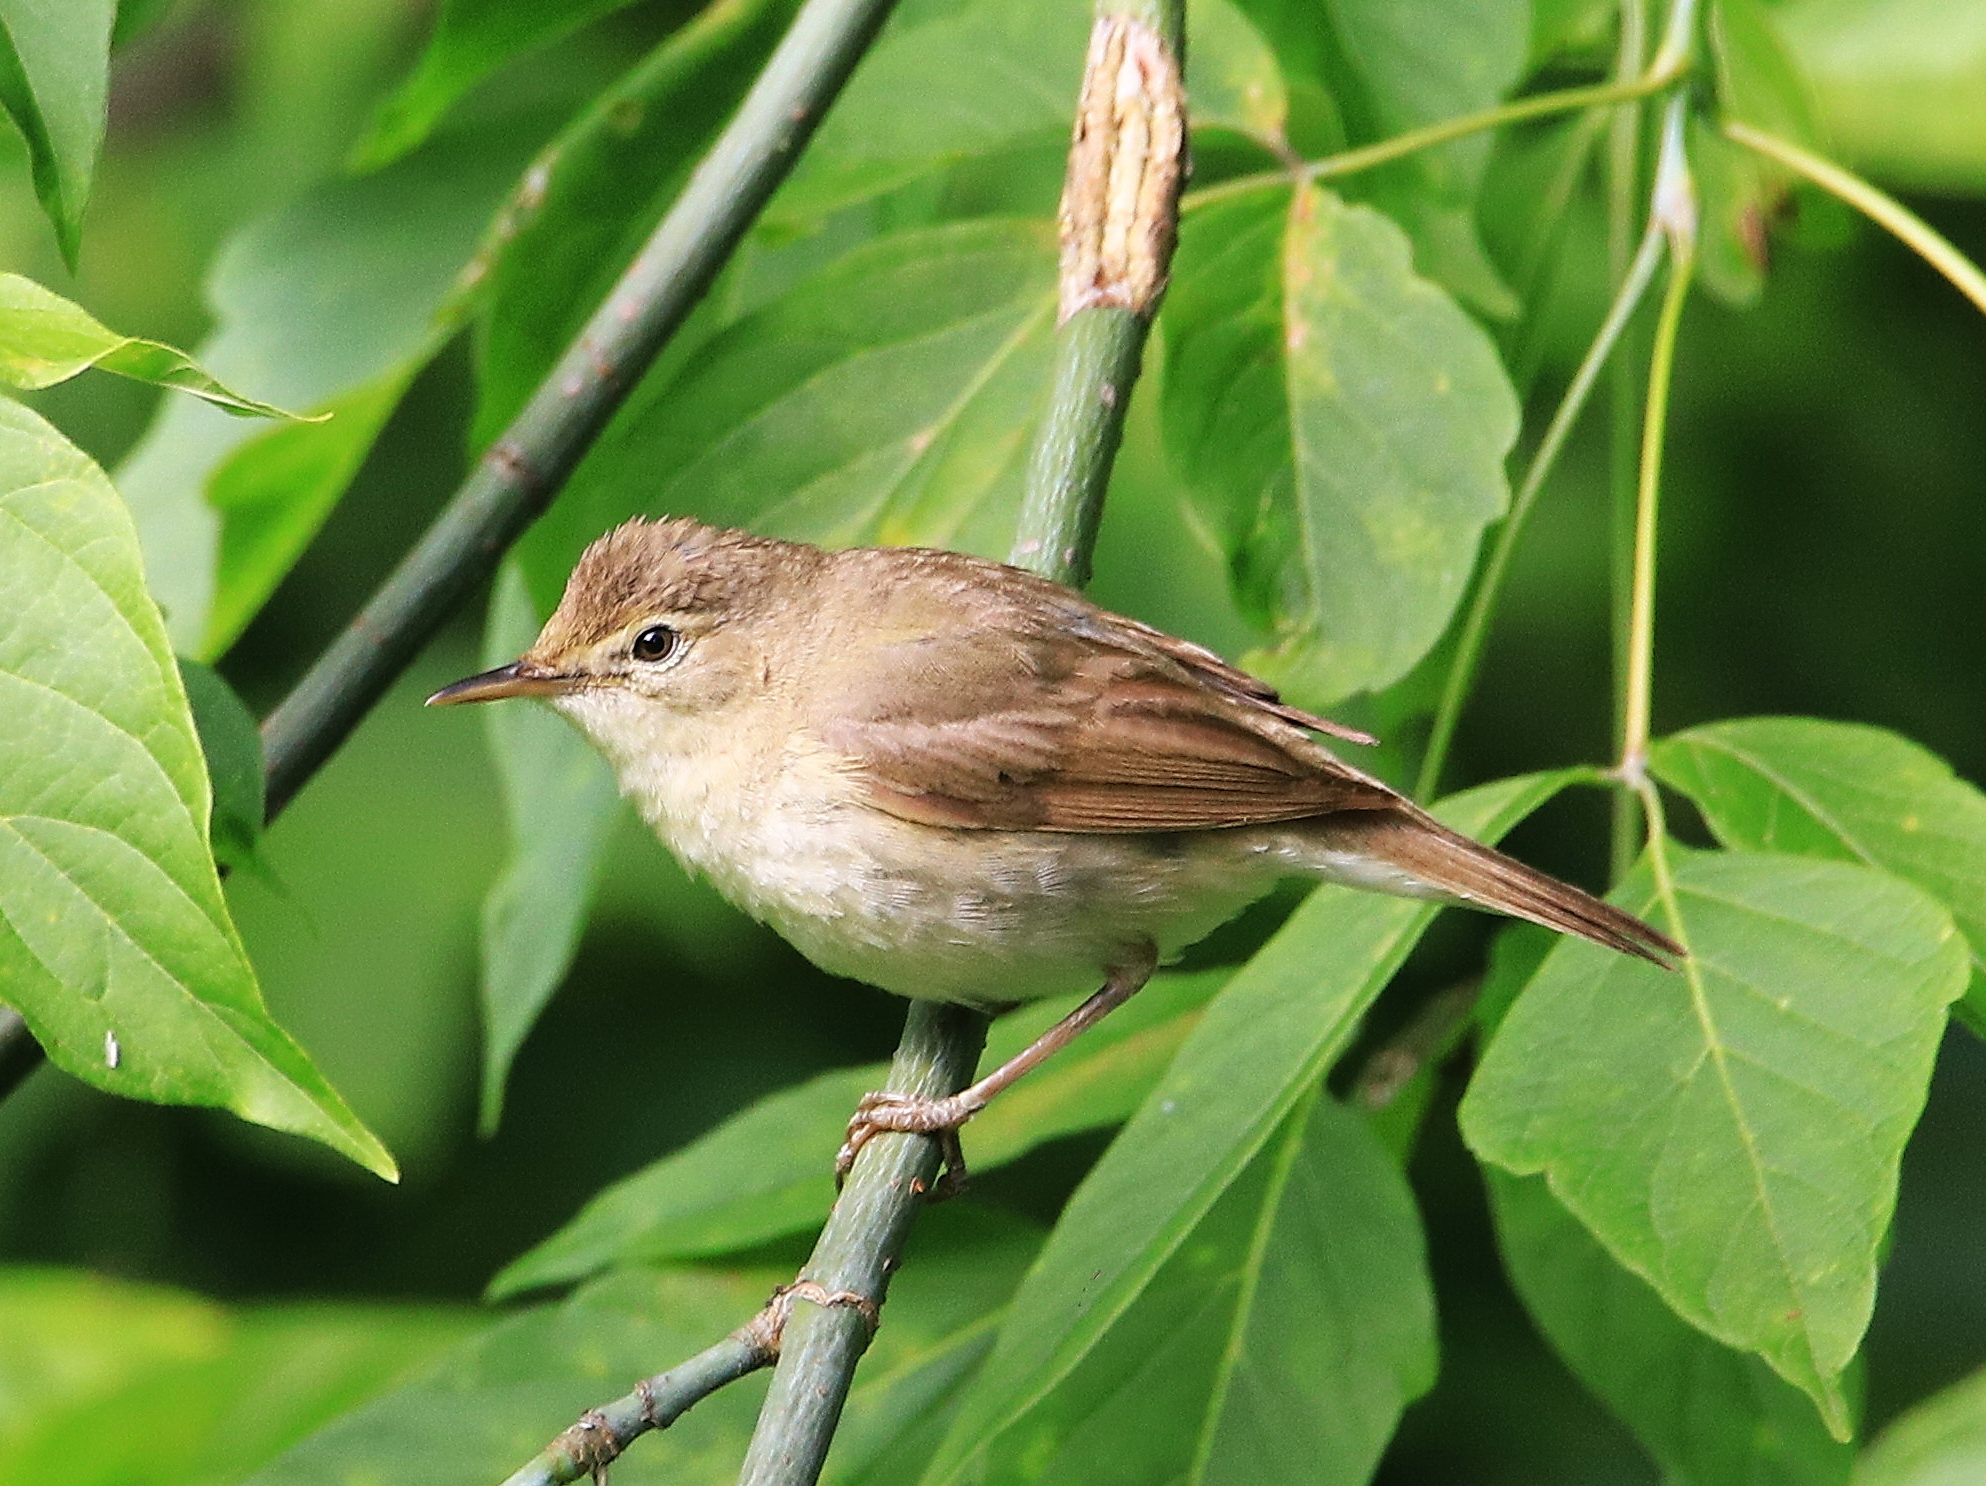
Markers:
<point>518,679</point>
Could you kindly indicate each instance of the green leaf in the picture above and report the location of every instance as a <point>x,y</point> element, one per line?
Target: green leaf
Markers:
<point>1011,74</point>
<point>887,397</point>
<point>500,1398</point>
<point>45,339</point>
<point>330,304</point>
<point>1259,1048</point>
<point>594,194</point>
<point>1844,791</point>
<point>1710,1416</point>
<point>471,40</point>
<point>1941,1442</point>
<point>1278,1343</point>
<point>1342,423</point>
<point>767,1170</point>
<point>54,81</point>
<point>560,802</point>
<point>1731,1131</point>
<point>115,944</point>
<point>1899,85</point>
<point>232,746</point>
<point>200,1393</point>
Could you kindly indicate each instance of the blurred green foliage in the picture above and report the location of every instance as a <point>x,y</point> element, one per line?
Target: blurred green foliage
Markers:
<point>1823,545</point>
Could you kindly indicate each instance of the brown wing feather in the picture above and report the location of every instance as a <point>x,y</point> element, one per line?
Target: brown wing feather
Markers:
<point>1037,719</point>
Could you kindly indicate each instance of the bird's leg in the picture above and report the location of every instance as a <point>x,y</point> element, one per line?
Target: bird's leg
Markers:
<point>916,1115</point>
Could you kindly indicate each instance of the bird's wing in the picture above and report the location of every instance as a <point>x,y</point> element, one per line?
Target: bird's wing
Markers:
<point>1023,725</point>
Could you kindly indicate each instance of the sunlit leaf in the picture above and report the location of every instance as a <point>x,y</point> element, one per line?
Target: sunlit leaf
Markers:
<point>1266,1041</point>
<point>767,1170</point>
<point>1731,1130</point>
<point>1941,1442</point>
<point>560,802</point>
<point>45,339</point>
<point>1854,793</point>
<point>55,82</point>
<point>1709,1415</point>
<point>1342,423</point>
<point>114,941</point>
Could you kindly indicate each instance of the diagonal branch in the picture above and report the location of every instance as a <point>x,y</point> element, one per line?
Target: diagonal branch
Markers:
<point>517,478</point>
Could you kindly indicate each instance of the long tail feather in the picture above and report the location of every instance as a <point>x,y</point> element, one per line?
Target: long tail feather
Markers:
<point>1452,865</point>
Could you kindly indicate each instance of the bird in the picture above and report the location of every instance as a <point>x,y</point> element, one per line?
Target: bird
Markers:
<point>955,779</point>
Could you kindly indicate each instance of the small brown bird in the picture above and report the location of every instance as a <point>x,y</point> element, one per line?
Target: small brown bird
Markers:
<point>956,780</point>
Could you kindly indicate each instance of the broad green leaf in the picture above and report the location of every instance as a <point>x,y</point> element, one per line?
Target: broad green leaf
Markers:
<point>329,304</point>
<point>767,1171</point>
<point>54,81</point>
<point>1710,1416</point>
<point>1899,85</point>
<point>1758,80</point>
<point>1731,1130</point>
<point>887,397</point>
<point>497,1400</point>
<point>199,1393</point>
<point>1842,790</point>
<point>1742,192</point>
<point>1941,1442</point>
<point>1267,1040</point>
<point>45,339</point>
<point>471,40</point>
<point>560,801</point>
<point>1342,423</point>
<point>594,194</point>
<point>1011,74</point>
<point>114,942</point>
<point>1278,1343</point>
<point>1365,70</point>
<point>232,746</point>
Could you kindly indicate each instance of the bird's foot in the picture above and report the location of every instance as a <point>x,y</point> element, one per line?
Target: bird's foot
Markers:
<point>912,1114</point>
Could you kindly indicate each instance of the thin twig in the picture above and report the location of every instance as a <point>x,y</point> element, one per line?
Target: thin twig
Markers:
<point>1482,603</point>
<point>1413,141</point>
<point>521,472</point>
<point>597,1440</point>
<point>1675,215</point>
<point>1111,281</point>
<point>1880,207</point>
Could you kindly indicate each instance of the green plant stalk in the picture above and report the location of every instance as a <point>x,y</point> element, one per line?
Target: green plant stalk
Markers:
<point>1386,151</point>
<point>1623,394</point>
<point>1097,354</point>
<point>522,471</point>
<point>1878,206</point>
<point>1489,587</point>
<point>1633,766</point>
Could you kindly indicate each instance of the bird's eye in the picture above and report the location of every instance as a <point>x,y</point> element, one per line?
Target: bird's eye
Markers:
<point>657,642</point>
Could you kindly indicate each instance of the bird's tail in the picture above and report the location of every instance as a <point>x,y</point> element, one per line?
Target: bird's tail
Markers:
<point>1443,863</point>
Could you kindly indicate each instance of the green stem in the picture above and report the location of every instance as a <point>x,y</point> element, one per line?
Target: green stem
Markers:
<point>521,472</point>
<point>1107,302</point>
<point>1675,215</point>
<point>1623,391</point>
<point>1884,210</point>
<point>1482,603</point>
<point>1386,151</point>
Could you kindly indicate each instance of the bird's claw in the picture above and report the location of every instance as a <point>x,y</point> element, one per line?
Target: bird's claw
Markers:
<point>910,1114</point>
